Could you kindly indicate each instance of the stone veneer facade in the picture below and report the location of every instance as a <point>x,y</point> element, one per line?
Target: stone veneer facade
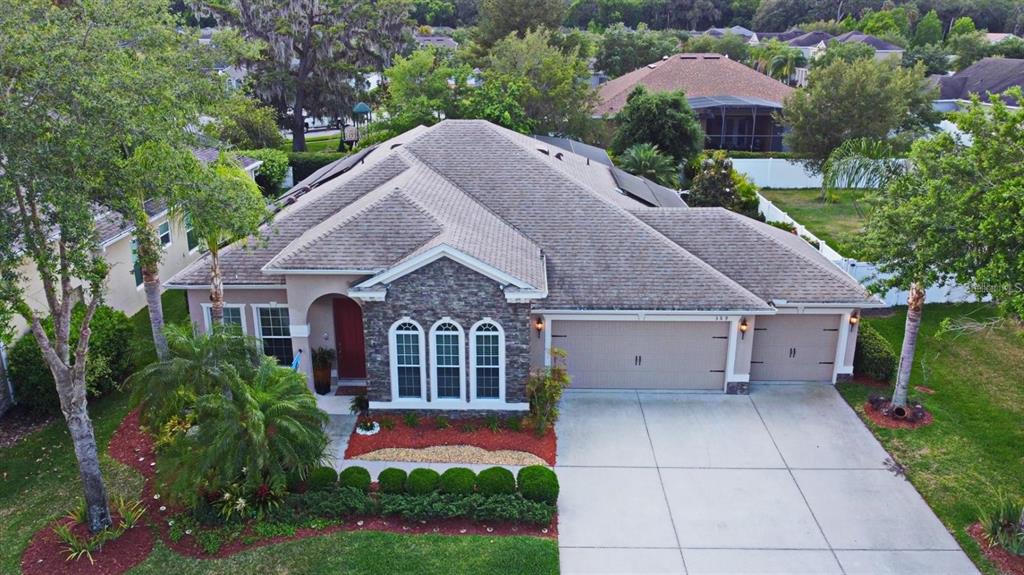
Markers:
<point>441,289</point>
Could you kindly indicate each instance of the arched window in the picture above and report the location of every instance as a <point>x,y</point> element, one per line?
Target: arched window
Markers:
<point>408,367</point>
<point>448,380</point>
<point>487,361</point>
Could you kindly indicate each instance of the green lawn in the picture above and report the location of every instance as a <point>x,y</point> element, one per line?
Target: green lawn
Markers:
<point>974,447</point>
<point>175,304</point>
<point>316,143</point>
<point>838,223</point>
<point>39,482</point>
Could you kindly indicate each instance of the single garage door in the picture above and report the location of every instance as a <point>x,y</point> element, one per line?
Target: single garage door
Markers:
<point>643,354</point>
<point>794,348</point>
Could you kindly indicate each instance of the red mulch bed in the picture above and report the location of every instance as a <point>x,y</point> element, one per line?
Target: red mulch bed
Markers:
<point>882,420</point>
<point>426,434</point>
<point>1006,562</point>
<point>45,554</point>
<point>132,446</point>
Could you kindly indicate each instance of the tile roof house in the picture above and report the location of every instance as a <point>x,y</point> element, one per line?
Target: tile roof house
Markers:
<point>734,102</point>
<point>445,264</point>
<point>984,77</point>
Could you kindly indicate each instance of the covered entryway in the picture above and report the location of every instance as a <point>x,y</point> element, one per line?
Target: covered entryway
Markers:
<point>644,354</point>
<point>794,348</point>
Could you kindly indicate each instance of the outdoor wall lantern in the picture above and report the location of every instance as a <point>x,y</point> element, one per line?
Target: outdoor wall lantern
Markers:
<point>743,327</point>
<point>539,325</point>
<point>854,320</point>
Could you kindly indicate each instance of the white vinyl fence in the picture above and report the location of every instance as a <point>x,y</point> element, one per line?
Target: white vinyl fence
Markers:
<point>864,272</point>
<point>776,173</point>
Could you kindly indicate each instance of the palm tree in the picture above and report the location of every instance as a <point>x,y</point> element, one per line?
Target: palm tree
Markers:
<point>870,163</point>
<point>647,161</point>
<point>268,427</point>
<point>198,364</point>
<point>784,62</point>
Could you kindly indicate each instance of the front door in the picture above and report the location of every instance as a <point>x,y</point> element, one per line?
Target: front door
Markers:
<point>348,339</point>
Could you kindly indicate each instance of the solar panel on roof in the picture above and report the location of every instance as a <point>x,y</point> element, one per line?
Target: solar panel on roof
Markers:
<point>647,191</point>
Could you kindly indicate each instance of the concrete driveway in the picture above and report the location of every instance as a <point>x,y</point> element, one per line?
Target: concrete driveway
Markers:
<point>785,480</point>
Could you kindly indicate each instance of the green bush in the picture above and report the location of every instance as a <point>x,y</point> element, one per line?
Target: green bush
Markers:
<point>108,363</point>
<point>321,478</point>
<point>477,507</point>
<point>458,481</point>
<point>273,170</point>
<point>334,503</point>
<point>496,481</point>
<point>873,357</point>
<point>392,480</point>
<point>305,163</point>
<point>513,507</point>
<point>424,507</point>
<point>422,481</point>
<point>538,483</point>
<point>355,476</point>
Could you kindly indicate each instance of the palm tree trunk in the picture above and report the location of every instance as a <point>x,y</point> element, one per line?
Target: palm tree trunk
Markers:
<point>151,285</point>
<point>915,303</point>
<point>216,287</point>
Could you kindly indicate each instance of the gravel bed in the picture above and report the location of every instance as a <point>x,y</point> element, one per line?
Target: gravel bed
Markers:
<point>454,454</point>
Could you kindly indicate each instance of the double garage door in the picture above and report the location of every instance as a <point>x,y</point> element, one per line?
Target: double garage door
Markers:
<point>644,354</point>
<point>691,355</point>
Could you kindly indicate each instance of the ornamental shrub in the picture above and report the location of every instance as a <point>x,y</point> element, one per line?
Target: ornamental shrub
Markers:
<point>335,503</point>
<point>538,483</point>
<point>321,478</point>
<point>425,507</point>
<point>496,481</point>
<point>458,481</point>
<point>271,172</point>
<point>511,507</point>
<point>108,363</point>
<point>422,481</point>
<point>355,476</point>
<point>392,480</point>
<point>873,356</point>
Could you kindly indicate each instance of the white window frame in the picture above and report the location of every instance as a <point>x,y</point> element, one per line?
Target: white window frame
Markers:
<point>501,360</point>
<point>186,222</point>
<point>393,360</point>
<point>208,307</point>
<point>433,361</point>
<point>170,234</point>
<point>258,327</point>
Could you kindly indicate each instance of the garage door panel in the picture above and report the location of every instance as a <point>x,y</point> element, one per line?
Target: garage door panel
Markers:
<point>643,355</point>
<point>794,348</point>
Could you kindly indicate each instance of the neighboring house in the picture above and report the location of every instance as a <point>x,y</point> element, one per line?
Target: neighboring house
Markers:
<point>883,50</point>
<point>444,265</point>
<point>997,37</point>
<point>436,41</point>
<point>780,36</point>
<point>984,77</point>
<point>735,103</point>
<point>749,35</point>
<point>810,44</point>
<point>123,288</point>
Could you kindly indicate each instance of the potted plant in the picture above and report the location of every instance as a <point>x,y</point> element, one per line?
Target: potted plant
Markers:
<point>322,359</point>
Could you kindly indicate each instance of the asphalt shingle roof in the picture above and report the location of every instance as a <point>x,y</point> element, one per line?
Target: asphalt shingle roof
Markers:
<point>551,221</point>
<point>696,75</point>
<point>984,77</point>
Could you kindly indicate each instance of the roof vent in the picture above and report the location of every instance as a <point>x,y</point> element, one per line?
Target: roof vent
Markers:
<point>687,57</point>
<point>393,146</point>
<point>544,151</point>
<point>559,155</point>
<point>664,57</point>
<point>652,66</point>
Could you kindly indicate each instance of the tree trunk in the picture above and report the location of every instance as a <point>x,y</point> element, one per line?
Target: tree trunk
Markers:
<point>216,288</point>
<point>298,122</point>
<point>84,440</point>
<point>151,285</point>
<point>915,303</point>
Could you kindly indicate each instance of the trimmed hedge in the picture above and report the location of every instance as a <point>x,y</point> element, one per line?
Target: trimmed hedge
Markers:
<point>538,483</point>
<point>356,477</point>
<point>271,173</point>
<point>422,481</point>
<point>305,163</point>
<point>392,480</point>
<point>478,507</point>
<point>758,155</point>
<point>458,481</point>
<point>873,357</point>
<point>108,363</point>
<point>321,478</point>
<point>496,481</point>
<point>332,503</point>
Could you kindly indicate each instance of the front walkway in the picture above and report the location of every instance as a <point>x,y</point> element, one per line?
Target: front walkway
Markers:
<point>786,480</point>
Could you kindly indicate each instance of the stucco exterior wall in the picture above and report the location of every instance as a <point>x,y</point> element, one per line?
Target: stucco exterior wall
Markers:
<point>446,289</point>
<point>246,297</point>
<point>744,347</point>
